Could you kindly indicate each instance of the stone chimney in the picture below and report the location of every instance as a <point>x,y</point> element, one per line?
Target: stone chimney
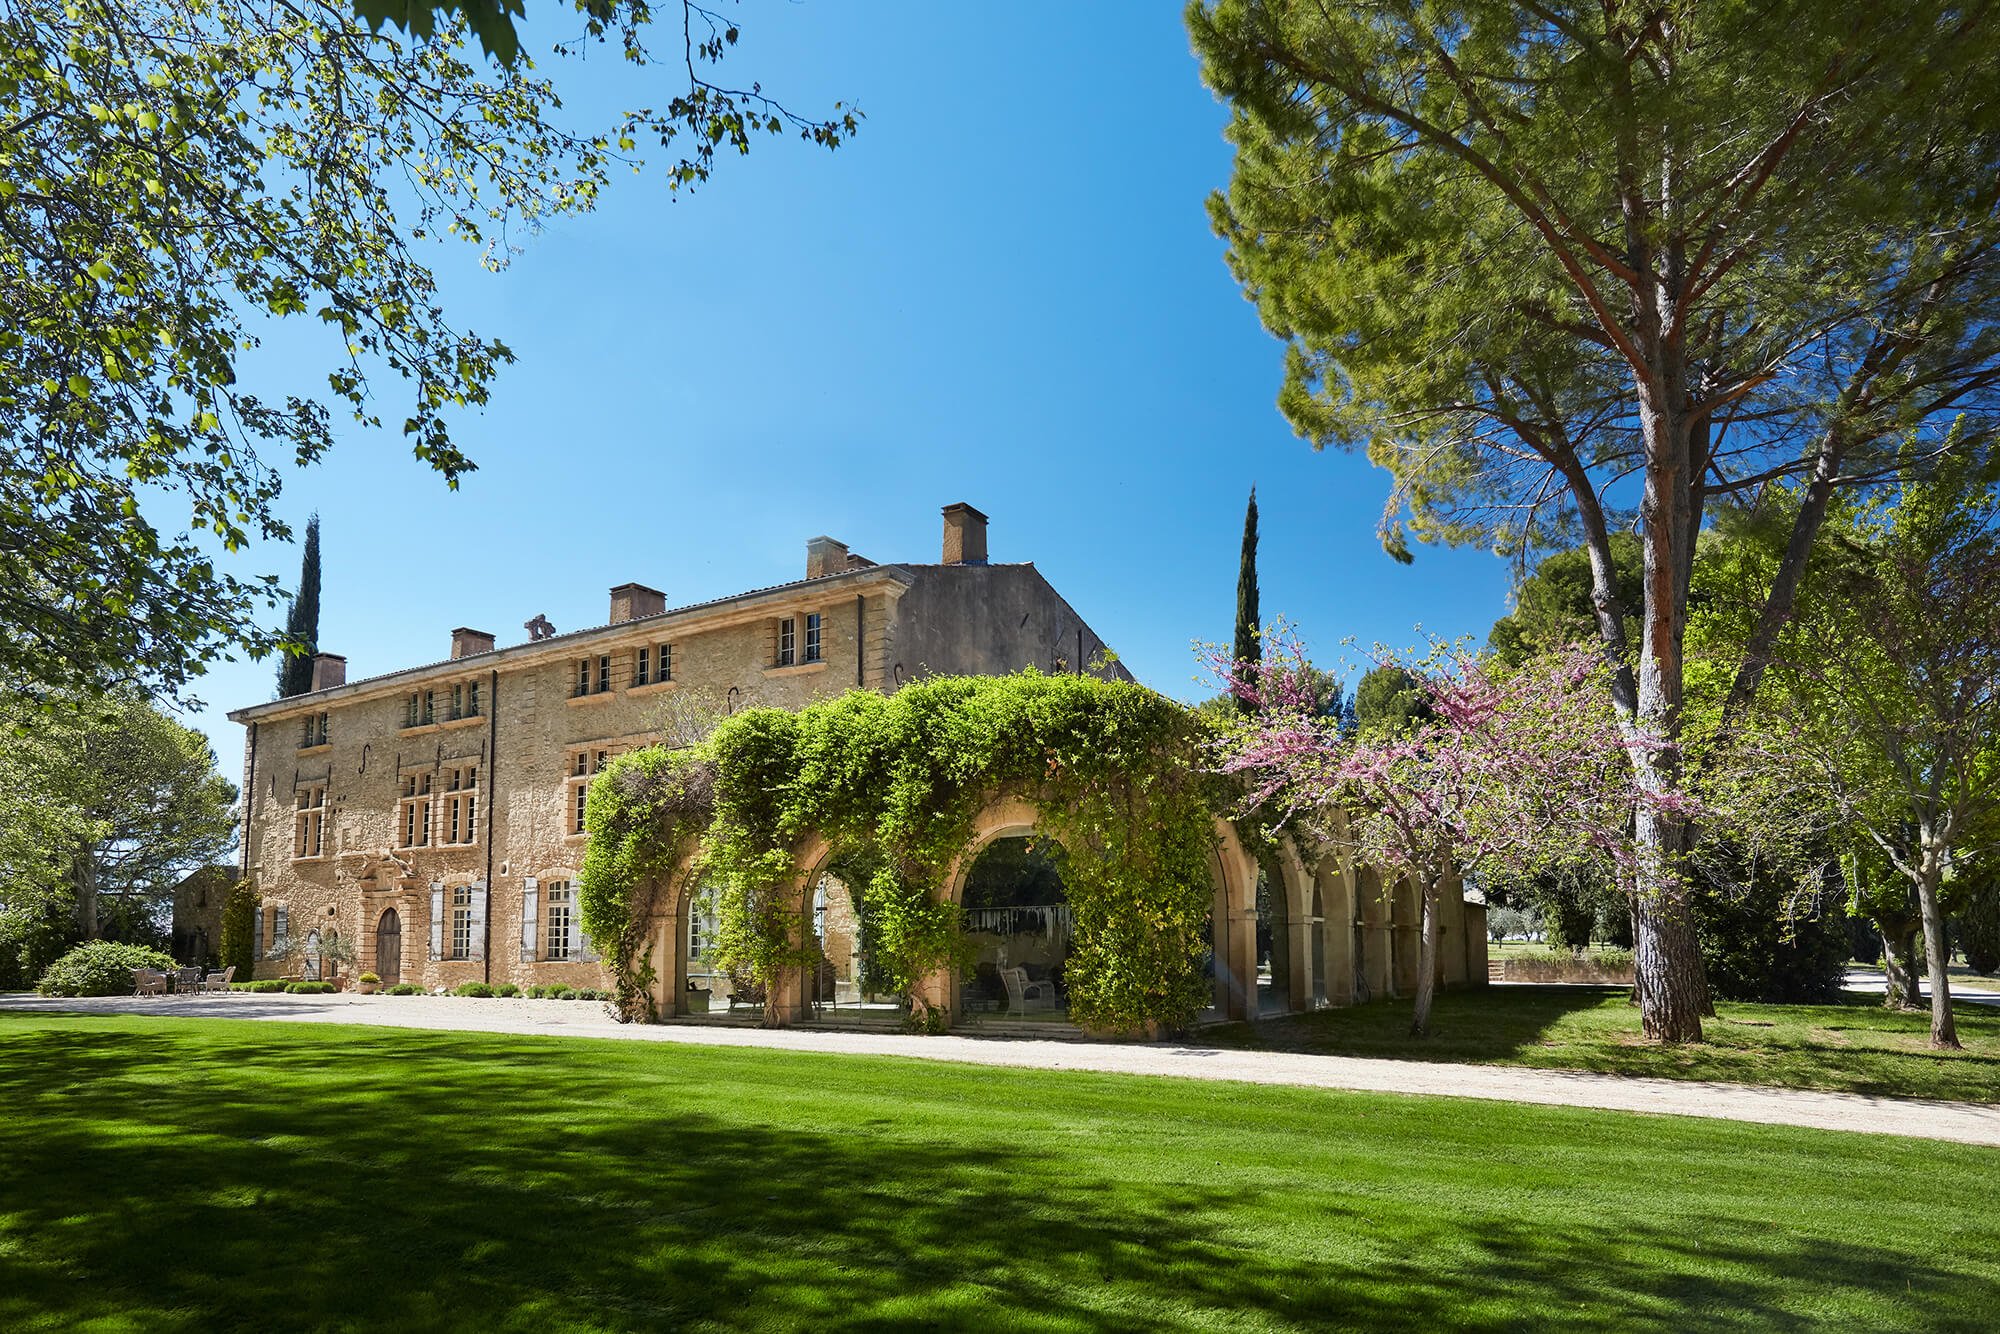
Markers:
<point>825,556</point>
<point>465,643</point>
<point>964,535</point>
<point>329,670</point>
<point>631,601</point>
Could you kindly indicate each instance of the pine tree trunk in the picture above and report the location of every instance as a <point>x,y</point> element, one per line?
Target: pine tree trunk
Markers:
<point>1427,963</point>
<point>1666,954</point>
<point>1944,1031</point>
<point>1674,992</point>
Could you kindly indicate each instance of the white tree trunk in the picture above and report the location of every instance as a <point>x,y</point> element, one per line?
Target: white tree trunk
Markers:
<point>1427,962</point>
<point>1944,1032</point>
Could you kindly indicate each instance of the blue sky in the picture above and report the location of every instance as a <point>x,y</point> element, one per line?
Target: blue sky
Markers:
<point>1003,291</point>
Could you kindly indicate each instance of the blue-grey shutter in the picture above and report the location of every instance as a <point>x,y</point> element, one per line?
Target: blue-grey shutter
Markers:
<point>279,934</point>
<point>476,947</point>
<point>257,936</point>
<point>437,919</point>
<point>531,907</point>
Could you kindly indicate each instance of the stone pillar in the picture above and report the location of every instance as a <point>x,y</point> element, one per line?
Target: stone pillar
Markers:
<point>1337,928</point>
<point>1242,958</point>
<point>669,968</point>
<point>1475,945</point>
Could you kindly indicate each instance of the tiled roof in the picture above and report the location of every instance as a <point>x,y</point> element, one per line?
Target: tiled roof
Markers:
<point>538,645</point>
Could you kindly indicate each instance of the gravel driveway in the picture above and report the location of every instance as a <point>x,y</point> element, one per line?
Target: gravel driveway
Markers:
<point>1964,1122</point>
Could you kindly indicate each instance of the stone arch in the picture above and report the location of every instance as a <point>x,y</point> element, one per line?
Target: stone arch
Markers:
<point>1304,927</point>
<point>667,937</point>
<point>1234,932</point>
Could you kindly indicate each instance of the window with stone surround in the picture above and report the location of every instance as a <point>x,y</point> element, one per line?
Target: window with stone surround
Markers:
<point>465,699</point>
<point>309,823</point>
<point>812,637</point>
<point>788,641</point>
<point>413,816</point>
<point>593,675</point>
<point>420,710</point>
<point>461,922</point>
<point>315,731</point>
<point>653,664</point>
<point>584,764</point>
<point>562,921</point>
<point>460,823</point>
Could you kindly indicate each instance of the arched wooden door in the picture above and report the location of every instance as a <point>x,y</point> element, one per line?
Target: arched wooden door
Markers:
<point>389,948</point>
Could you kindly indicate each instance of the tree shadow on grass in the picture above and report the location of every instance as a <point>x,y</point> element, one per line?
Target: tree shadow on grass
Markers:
<point>1475,1024</point>
<point>388,1181</point>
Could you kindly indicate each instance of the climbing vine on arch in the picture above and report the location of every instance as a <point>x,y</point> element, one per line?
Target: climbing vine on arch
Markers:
<point>898,782</point>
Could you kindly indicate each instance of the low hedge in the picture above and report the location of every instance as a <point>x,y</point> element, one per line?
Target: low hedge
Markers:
<point>478,990</point>
<point>404,989</point>
<point>506,989</point>
<point>310,988</point>
<point>100,968</point>
<point>262,984</point>
<point>1600,966</point>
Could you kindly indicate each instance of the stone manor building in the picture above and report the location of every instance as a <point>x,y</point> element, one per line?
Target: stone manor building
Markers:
<point>432,817</point>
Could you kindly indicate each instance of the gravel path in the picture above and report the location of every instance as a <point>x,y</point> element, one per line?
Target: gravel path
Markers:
<point>1966,1123</point>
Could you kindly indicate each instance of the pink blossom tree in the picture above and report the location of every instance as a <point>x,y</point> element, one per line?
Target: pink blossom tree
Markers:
<point>1516,771</point>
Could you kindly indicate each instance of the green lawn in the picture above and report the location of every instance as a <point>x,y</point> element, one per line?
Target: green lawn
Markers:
<point>1857,1047</point>
<point>165,1174</point>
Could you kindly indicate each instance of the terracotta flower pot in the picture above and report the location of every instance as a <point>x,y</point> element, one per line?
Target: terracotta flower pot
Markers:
<point>366,988</point>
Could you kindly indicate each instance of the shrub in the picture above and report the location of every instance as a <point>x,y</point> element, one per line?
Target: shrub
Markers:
<point>1767,941</point>
<point>478,990</point>
<point>405,989</point>
<point>1979,928</point>
<point>100,968</point>
<point>1602,966</point>
<point>369,977</point>
<point>262,984</point>
<point>309,988</point>
<point>506,989</point>
<point>33,935</point>
<point>561,993</point>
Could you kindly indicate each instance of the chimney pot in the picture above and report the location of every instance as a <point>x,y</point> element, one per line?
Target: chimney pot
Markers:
<point>631,601</point>
<point>964,535</point>
<point>824,556</point>
<point>465,642</point>
<point>329,670</point>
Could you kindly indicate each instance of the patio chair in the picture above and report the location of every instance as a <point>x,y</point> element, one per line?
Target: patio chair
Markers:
<point>187,981</point>
<point>1024,996</point>
<point>147,982</point>
<point>219,981</point>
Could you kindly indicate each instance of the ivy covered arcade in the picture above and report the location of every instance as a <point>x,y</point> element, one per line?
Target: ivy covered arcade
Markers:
<point>1021,848</point>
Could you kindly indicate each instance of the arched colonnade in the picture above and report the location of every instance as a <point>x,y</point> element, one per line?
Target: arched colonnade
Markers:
<point>1345,936</point>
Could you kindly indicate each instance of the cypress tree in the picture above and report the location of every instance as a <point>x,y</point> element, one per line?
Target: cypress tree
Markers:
<point>302,626</point>
<point>1248,647</point>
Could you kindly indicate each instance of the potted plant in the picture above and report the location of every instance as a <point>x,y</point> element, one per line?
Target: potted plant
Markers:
<point>366,984</point>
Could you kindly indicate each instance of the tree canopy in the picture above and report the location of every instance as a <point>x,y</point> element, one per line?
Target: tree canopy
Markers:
<point>178,175</point>
<point>105,803</point>
<point>1564,267</point>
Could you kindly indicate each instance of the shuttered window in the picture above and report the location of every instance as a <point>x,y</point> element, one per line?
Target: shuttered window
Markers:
<point>530,918</point>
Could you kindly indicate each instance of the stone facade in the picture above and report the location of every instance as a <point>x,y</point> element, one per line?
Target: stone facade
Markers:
<point>197,921</point>
<point>429,816</point>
